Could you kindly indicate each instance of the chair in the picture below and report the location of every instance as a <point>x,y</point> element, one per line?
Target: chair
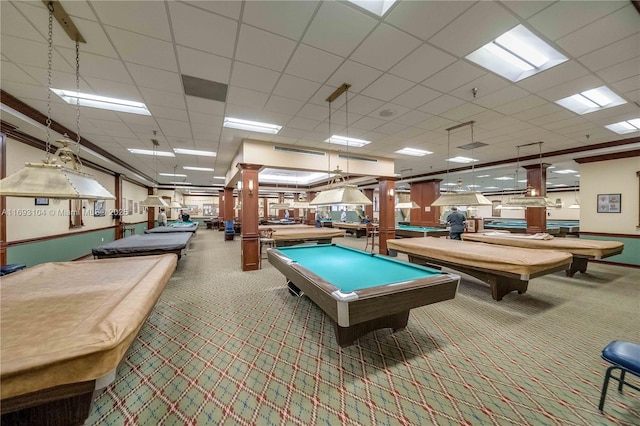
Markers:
<point>623,356</point>
<point>266,240</point>
<point>229,231</point>
<point>373,234</point>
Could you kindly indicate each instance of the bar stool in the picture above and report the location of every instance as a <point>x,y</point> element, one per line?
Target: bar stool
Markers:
<point>266,240</point>
<point>373,237</point>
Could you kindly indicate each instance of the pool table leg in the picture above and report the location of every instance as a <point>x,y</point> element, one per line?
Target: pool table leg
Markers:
<point>578,264</point>
<point>347,335</point>
<point>501,286</point>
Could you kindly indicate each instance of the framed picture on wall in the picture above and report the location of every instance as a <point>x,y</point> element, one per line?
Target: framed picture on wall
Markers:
<point>130,207</point>
<point>42,201</point>
<point>207,209</point>
<point>135,207</point>
<point>609,203</point>
<point>99,208</point>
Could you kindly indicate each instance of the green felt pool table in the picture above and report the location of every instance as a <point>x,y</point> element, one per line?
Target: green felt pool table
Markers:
<point>407,231</point>
<point>358,290</point>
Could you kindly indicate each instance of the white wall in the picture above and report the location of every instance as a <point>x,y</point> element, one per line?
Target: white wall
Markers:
<point>132,196</point>
<point>610,177</point>
<point>25,220</point>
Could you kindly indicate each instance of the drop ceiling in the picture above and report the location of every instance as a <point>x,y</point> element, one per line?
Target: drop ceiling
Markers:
<point>280,60</point>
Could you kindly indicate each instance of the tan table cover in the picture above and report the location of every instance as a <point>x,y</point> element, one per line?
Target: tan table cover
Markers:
<point>519,261</point>
<point>286,233</point>
<point>68,322</point>
<point>576,246</point>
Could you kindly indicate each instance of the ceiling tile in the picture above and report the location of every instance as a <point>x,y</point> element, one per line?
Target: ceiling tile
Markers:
<point>441,104</point>
<point>475,27</point>
<point>246,97</point>
<point>562,17</point>
<point>289,19</point>
<point>143,50</point>
<point>555,76</point>
<point>313,64</point>
<point>99,66</point>
<point>263,49</point>
<point>163,98</point>
<point>295,88</point>
<point>387,87</point>
<point>338,28</point>
<point>357,75</point>
<point>252,77</point>
<point>283,105</point>
<point>628,48</point>
<point>230,8</point>
<point>204,65</point>
<point>424,19</point>
<point>526,9</point>
<point>205,106</point>
<point>215,34</point>
<point>422,63</point>
<point>416,96</point>
<point>11,72</point>
<point>384,47</point>
<point>620,24</point>
<point>154,78</point>
<point>136,16</point>
<point>454,76</point>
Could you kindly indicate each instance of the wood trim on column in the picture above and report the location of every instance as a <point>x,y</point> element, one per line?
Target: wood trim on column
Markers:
<point>281,200</point>
<point>424,194</point>
<point>368,210</point>
<point>536,217</point>
<point>387,222</point>
<point>228,205</point>
<point>311,212</point>
<point>3,201</point>
<point>117,179</point>
<point>221,199</point>
<point>250,244</point>
<point>151,213</point>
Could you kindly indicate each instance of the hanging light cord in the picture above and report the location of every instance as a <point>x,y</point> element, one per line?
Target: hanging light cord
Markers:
<point>473,163</point>
<point>346,108</point>
<point>78,103</point>
<point>49,80</point>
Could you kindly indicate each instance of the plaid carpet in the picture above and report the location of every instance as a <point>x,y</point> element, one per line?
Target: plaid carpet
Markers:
<point>230,347</point>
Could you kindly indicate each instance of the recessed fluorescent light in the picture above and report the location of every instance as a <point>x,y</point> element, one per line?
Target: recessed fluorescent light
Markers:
<point>565,172</point>
<point>481,176</point>
<point>462,160</point>
<point>253,126</point>
<point>343,140</point>
<point>491,187</point>
<point>623,127</point>
<point>591,100</point>
<point>524,180</point>
<point>577,175</point>
<point>414,152</point>
<point>198,169</point>
<point>102,102</point>
<point>150,152</point>
<point>517,54</point>
<point>172,174</point>
<point>219,177</point>
<point>379,7</point>
<point>473,186</point>
<point>506,178</point>
<point>194,152</point>
<point>449,184</point>
<point>181,183</point>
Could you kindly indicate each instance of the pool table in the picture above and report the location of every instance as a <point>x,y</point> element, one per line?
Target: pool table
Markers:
<point>361,291</point>
<point>356,228</point>
<point>407,231</point>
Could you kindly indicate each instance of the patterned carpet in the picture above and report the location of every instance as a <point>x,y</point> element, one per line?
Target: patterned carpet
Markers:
<point>230,347</point>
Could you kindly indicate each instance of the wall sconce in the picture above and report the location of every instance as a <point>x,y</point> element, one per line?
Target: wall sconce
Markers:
<point>239,186</point>
<point>250,186</point>
<point>391,193</point>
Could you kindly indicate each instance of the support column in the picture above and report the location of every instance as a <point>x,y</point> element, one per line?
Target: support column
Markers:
<point>221,198</point>
<point>250,246</point>
<point>368,210</point>
<point>228,205</point>
<point>387,223</point>
<point>280,201</point>
<point>296,211</point>
<point>3,206</point>
<point>537,216</point>
<point>424,193</point>
<point>311,212</point>
<point>118,205</point>
<point>151,213</point>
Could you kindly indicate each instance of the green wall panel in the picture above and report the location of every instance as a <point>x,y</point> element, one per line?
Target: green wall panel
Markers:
<point>631,253</point>
<point>58,249</point>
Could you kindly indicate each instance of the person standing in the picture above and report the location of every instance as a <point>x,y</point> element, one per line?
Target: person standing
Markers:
<point>162,217</point>
<point>286,215</point>
<point>456,222</point>
<point>343,216</point>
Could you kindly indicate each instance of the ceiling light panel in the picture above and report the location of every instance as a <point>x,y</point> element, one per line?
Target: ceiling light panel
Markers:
<point>591,100</point>
<point>517,54</point>
<point>624,127</point>
<point>102,102</point>
<point>350,142</point>
<point>198,169</point>
<point>413,151</point>
<point>150,152</point>
<point>464,160</point>
<point>194,152</point>
<point>253,126</point>
<point>172,174</point>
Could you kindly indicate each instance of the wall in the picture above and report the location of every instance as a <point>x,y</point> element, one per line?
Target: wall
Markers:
<point>567,198</point>
<point>132,196</point>
<point>610,177</point>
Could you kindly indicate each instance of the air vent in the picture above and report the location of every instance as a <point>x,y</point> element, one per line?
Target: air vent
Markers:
<point>351,157</point>
<point>299,151</point>
<point>473,145</point>
<point>201,88</point>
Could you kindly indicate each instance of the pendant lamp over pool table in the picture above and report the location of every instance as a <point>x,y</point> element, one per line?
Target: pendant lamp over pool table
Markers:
<point>340,192</point>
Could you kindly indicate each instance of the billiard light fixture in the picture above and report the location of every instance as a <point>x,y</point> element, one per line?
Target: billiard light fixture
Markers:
<point>530,198</point>
<point>253,126</point>
<point>48,179</point>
